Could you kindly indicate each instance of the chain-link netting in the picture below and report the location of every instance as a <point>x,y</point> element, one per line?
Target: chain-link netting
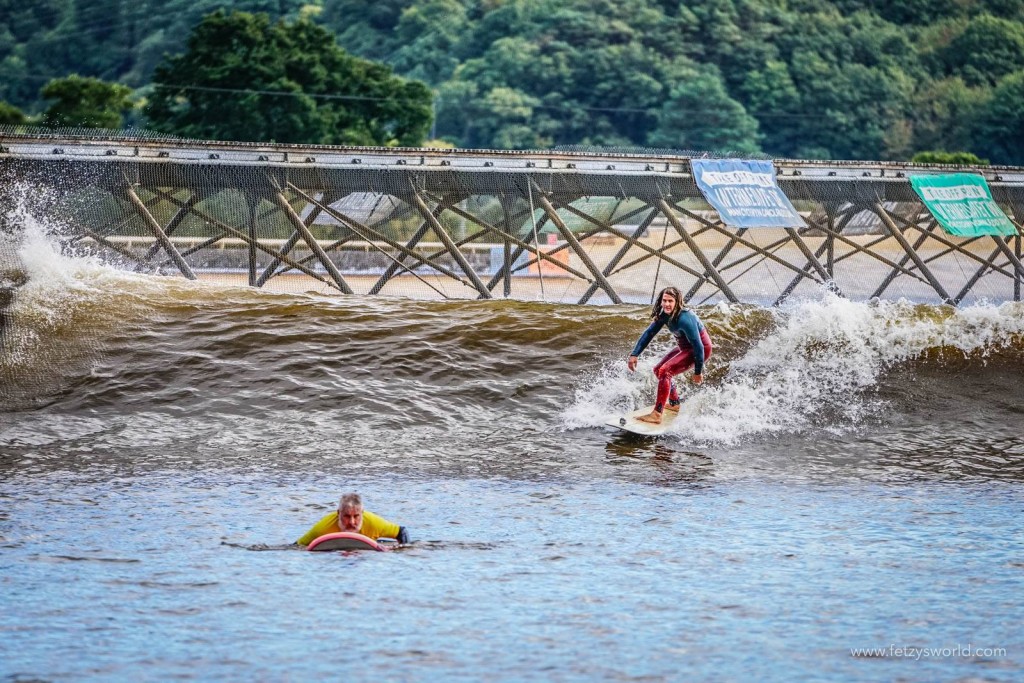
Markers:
<point>560,226</point>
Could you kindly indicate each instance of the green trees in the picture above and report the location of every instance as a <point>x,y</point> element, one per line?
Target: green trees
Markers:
<point>998,125</point>
<point>11,115</point>
<point>951,158</point>
<point>86,102</point>
<point>698,114</point>
<point>804,79</point>
<point>987,49</point>
<point>848,79</point>
<point>563,72</point>
<point>427,35</point>
<point>501,118</point>
<point>76,101</point>
<point>23,30</point>
<point>841,88</point>
<point>245,78</point>
<point>113,40</point>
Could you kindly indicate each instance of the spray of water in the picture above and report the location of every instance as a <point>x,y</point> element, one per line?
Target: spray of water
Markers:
<point>64,302</point>
<point>814,369</point>
<point>60,283</point>
<point>55,285</point>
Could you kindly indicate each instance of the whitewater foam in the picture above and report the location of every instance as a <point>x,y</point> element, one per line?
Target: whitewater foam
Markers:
<point>814,369</point>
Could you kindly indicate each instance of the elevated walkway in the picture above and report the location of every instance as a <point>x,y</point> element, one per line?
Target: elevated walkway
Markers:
<point>561,226</point>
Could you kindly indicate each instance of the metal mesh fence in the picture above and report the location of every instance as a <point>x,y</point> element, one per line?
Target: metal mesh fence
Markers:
<point>561,226</point>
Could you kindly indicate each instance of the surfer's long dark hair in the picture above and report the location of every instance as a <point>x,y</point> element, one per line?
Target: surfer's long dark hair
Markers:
<point>675,294</point>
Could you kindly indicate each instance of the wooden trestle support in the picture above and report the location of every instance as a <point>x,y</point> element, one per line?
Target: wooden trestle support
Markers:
<point>506,199</point>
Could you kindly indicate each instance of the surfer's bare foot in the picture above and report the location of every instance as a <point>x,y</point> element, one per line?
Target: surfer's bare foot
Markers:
<point>653,417</point>
<point>672,408</point>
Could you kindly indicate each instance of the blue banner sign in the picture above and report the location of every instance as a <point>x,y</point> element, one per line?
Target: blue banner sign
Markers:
<point>745,193</point>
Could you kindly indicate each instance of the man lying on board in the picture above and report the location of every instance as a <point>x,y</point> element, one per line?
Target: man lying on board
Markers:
<point>350,516</point>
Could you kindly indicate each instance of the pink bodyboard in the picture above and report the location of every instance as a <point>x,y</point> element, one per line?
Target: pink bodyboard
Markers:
<point>344,540</point>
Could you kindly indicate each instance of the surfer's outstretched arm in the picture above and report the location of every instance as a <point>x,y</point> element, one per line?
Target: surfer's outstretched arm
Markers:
<point>644,340</point>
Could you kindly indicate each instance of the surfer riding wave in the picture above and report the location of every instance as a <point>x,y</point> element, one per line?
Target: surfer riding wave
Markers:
<point>693,348</point>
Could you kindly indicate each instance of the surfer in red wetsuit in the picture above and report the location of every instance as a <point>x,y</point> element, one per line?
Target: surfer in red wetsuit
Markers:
<point>693,348</point>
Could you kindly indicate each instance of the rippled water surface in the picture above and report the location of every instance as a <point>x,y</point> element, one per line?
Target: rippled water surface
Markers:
<point>849,477</point>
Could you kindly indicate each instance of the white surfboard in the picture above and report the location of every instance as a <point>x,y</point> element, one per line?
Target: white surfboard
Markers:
<point>629,423</point>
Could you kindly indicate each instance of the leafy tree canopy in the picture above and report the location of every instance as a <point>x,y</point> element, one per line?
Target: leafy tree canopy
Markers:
<point>86,102</point>
<point>857,79</point>
<point>998,123</point>
<point>950,158</point>
<point>11,115</point>
<point>987,49</point>
<point>698,114</point>
<point>246,78</point>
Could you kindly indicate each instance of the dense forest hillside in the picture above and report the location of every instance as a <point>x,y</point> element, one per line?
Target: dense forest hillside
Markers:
<point>847,79</point>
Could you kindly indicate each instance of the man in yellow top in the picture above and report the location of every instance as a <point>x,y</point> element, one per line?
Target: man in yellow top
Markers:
<point>350,516</point>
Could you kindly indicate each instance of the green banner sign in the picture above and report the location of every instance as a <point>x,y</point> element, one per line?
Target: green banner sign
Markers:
<point>962,204</point>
